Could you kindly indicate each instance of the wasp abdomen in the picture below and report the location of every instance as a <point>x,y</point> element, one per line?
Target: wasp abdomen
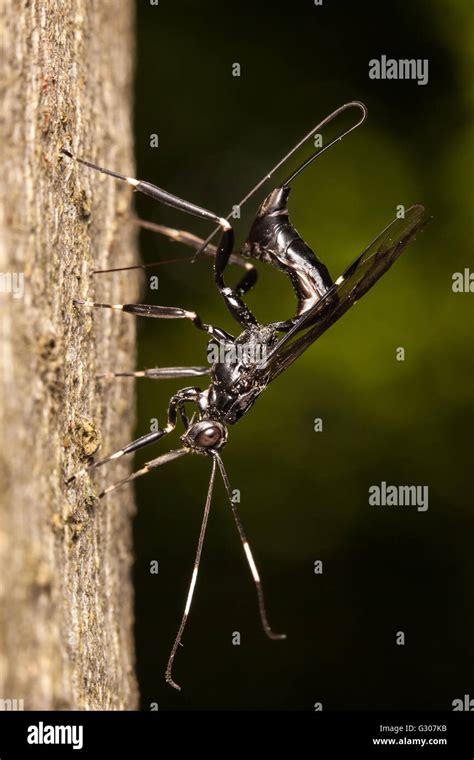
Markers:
<point>274,240</point>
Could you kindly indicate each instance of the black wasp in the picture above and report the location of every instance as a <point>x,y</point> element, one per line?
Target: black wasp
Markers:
<point>246,364</point>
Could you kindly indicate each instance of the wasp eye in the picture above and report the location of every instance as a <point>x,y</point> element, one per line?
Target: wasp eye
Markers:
<point>209,437</point>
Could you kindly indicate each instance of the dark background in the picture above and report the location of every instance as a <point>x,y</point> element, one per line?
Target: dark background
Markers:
<point>305,494</point>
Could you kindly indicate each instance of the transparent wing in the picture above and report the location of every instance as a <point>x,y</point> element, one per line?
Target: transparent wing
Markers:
<point>348,288</point>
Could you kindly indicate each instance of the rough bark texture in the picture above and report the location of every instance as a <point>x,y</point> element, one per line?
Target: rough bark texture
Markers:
<point>67,609</point>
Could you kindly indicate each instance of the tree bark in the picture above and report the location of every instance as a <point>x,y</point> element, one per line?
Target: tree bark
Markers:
<point>67,604</point>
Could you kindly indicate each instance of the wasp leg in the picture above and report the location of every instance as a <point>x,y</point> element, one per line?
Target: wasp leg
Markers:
<point>232,296</point>
<point>163,459</point>
<point>159,312</point>
<point>176,405</point>
<point>163,373</point>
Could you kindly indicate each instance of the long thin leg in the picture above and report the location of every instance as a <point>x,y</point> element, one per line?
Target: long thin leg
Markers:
<point>151,465</point>
<point>157,193</point>
<point>193,241</point>
<point>232,299</point>
<point>222,257</point>
<point>160,373</point>
<point>232,296</point>
<point>186,396</point>
<point>197,560</point>
<point>159,312</point>
<point>237,308</point>
<point>175,405</point>
<point>251,562</point>
<point>139,443</point>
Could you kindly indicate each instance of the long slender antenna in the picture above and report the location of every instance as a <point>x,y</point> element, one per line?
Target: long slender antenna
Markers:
<point>248,554</point>
<point>197,560</point>
<point>323,123</point>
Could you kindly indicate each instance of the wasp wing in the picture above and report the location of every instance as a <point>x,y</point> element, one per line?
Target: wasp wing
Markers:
<point>358,278</point>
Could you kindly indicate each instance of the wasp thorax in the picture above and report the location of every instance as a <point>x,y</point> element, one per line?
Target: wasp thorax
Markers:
<point>205,435</point>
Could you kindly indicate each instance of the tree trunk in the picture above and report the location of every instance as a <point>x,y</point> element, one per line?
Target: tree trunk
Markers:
<point>67,604</point>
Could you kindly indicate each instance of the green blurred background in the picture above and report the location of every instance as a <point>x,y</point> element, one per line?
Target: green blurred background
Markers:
<point>305,494</point>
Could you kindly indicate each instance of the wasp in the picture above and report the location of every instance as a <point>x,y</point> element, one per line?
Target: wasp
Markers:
<point>248,362</point>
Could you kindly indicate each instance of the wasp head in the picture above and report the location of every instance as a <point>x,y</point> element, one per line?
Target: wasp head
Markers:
<point>205,436</point>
